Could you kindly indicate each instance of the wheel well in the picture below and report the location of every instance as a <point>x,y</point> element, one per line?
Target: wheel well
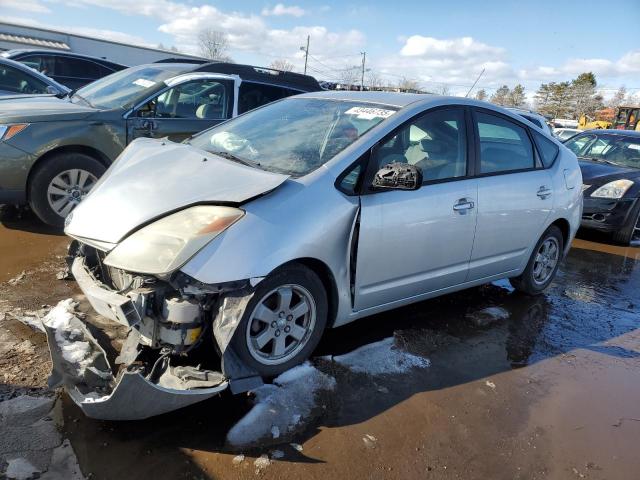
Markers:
<point>92,152</point>
<point>565,228</point>
<point>328,281</point>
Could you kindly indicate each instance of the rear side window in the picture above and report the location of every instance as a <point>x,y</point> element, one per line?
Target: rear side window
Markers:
<point>254,95</point>
<point>77,68</point>
<point>548,150</point>
<point>504,145</point>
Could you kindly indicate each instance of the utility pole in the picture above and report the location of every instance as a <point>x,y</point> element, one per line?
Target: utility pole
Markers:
<point>474,83</point>
<point>364,58</point>
<point>306,54</point>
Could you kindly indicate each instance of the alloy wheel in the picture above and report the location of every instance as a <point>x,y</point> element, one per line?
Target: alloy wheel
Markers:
<point>281,324</point>
<point>67,189</point>
<point>546,260</point>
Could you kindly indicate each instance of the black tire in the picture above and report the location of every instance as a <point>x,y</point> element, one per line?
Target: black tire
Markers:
<point>289,274</point>
<point>525,283</point>
<point>625,234</point>
<point>46,171</point>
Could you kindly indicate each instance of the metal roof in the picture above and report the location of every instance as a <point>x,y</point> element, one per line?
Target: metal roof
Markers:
<point>37,42</point>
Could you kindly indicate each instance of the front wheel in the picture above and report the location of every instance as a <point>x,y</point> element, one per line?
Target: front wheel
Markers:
<point>543,263</point>
<point>630,233</point>
<point>60,183</point>
<point>283,321</point>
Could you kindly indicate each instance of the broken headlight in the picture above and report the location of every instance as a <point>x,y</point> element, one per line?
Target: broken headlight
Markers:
<point>166,244</point>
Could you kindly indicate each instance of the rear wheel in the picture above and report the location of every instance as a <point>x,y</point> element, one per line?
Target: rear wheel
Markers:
<point>630,233</point>
<point>60,183</point>
<point>283,322</point>
<point>543,263</point>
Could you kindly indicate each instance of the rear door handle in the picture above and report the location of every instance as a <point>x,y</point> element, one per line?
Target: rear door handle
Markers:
<point>463,205</point>
<point>544,192</point>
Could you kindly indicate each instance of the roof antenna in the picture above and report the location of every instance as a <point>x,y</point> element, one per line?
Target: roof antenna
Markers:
<point>474,83</point>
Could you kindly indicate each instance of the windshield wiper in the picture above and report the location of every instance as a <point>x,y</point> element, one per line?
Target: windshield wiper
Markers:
<point>231,156</point>
<point>602,160</point>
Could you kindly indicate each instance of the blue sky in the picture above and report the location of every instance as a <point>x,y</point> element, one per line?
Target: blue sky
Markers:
<point>439,44</point>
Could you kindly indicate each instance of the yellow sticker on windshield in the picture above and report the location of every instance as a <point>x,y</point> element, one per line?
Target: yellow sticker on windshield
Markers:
<point>369,113</point>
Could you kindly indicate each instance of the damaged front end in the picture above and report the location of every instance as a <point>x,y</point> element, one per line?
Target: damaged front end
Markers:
<point>177,351</point>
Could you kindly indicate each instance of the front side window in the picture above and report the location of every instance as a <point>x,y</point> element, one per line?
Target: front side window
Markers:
<point>435,142</point>
<point>200,99</point>
<point>504,145</point>
<point>293,136</point>
<point>15,80</point>
<point>43,63</point>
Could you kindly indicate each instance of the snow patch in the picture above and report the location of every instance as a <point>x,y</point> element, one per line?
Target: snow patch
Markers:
<point>280,408</point>
<point>21,469</point>
<point>381,358</point>
<point>73,348</point>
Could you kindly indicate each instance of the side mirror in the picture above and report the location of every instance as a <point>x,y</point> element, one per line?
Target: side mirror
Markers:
<point>398,176</point>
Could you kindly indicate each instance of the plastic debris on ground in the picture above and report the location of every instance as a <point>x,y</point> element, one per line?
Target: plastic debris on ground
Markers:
<point>282,407</point>
<point>262,462</point>
<point>369,441</point>
<point>381,358</point>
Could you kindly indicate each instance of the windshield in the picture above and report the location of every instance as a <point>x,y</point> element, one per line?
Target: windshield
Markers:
<point>124,88</point>
<point>293,136</point>
<point>624,151</point>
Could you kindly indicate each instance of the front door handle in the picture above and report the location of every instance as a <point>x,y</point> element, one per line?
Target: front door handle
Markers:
<point>463,205</point>
<point>544,192</point>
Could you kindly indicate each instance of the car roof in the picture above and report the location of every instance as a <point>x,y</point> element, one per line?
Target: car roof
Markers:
<point>49,51</point>
<point>262,74</point>
<point>395,99</point>
<point>626,133</point>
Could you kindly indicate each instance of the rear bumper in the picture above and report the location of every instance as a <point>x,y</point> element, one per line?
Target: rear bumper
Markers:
<point>606,215</point>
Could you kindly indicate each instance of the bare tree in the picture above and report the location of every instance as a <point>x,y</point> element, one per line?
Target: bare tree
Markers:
<point>350,78</point>
<point>443,90</point>
<point>481,95</point>
<point>408,85</point>
<point>620,98</point>
<point>214,44</point>
<point>373,80</point>
<point>282,65</point>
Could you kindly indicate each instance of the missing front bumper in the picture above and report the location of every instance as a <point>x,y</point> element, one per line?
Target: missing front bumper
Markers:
<point>148,383</point>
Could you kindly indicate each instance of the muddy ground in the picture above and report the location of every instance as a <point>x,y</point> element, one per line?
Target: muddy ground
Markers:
<point>548,387</point>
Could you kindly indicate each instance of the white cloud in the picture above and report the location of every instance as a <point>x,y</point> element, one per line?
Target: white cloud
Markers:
<point>32,6</point>
<point>281,9</point>
<point>247,33</point>
<point>465,47</point>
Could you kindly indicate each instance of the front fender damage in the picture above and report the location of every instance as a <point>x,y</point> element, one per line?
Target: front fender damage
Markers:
<point>150,379</point>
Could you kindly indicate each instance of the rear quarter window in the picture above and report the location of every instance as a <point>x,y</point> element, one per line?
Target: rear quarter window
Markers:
<point>547,149</point>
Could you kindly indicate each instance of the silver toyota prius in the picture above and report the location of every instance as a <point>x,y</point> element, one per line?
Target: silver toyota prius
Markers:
<point>229,254</point>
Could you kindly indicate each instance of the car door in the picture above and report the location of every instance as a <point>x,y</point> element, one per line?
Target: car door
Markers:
<point>184,109</point>
<point>514,195</point>
<point>414,242</point>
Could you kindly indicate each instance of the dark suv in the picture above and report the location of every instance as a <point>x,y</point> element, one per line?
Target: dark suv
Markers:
<point>70,69</point>
<point>53,150</point>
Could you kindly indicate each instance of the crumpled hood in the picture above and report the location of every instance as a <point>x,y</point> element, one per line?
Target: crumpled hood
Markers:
<point>41,108</point>
<point>152,178</point>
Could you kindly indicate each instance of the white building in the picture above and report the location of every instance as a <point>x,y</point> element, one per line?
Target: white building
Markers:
<point>14,36</point>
